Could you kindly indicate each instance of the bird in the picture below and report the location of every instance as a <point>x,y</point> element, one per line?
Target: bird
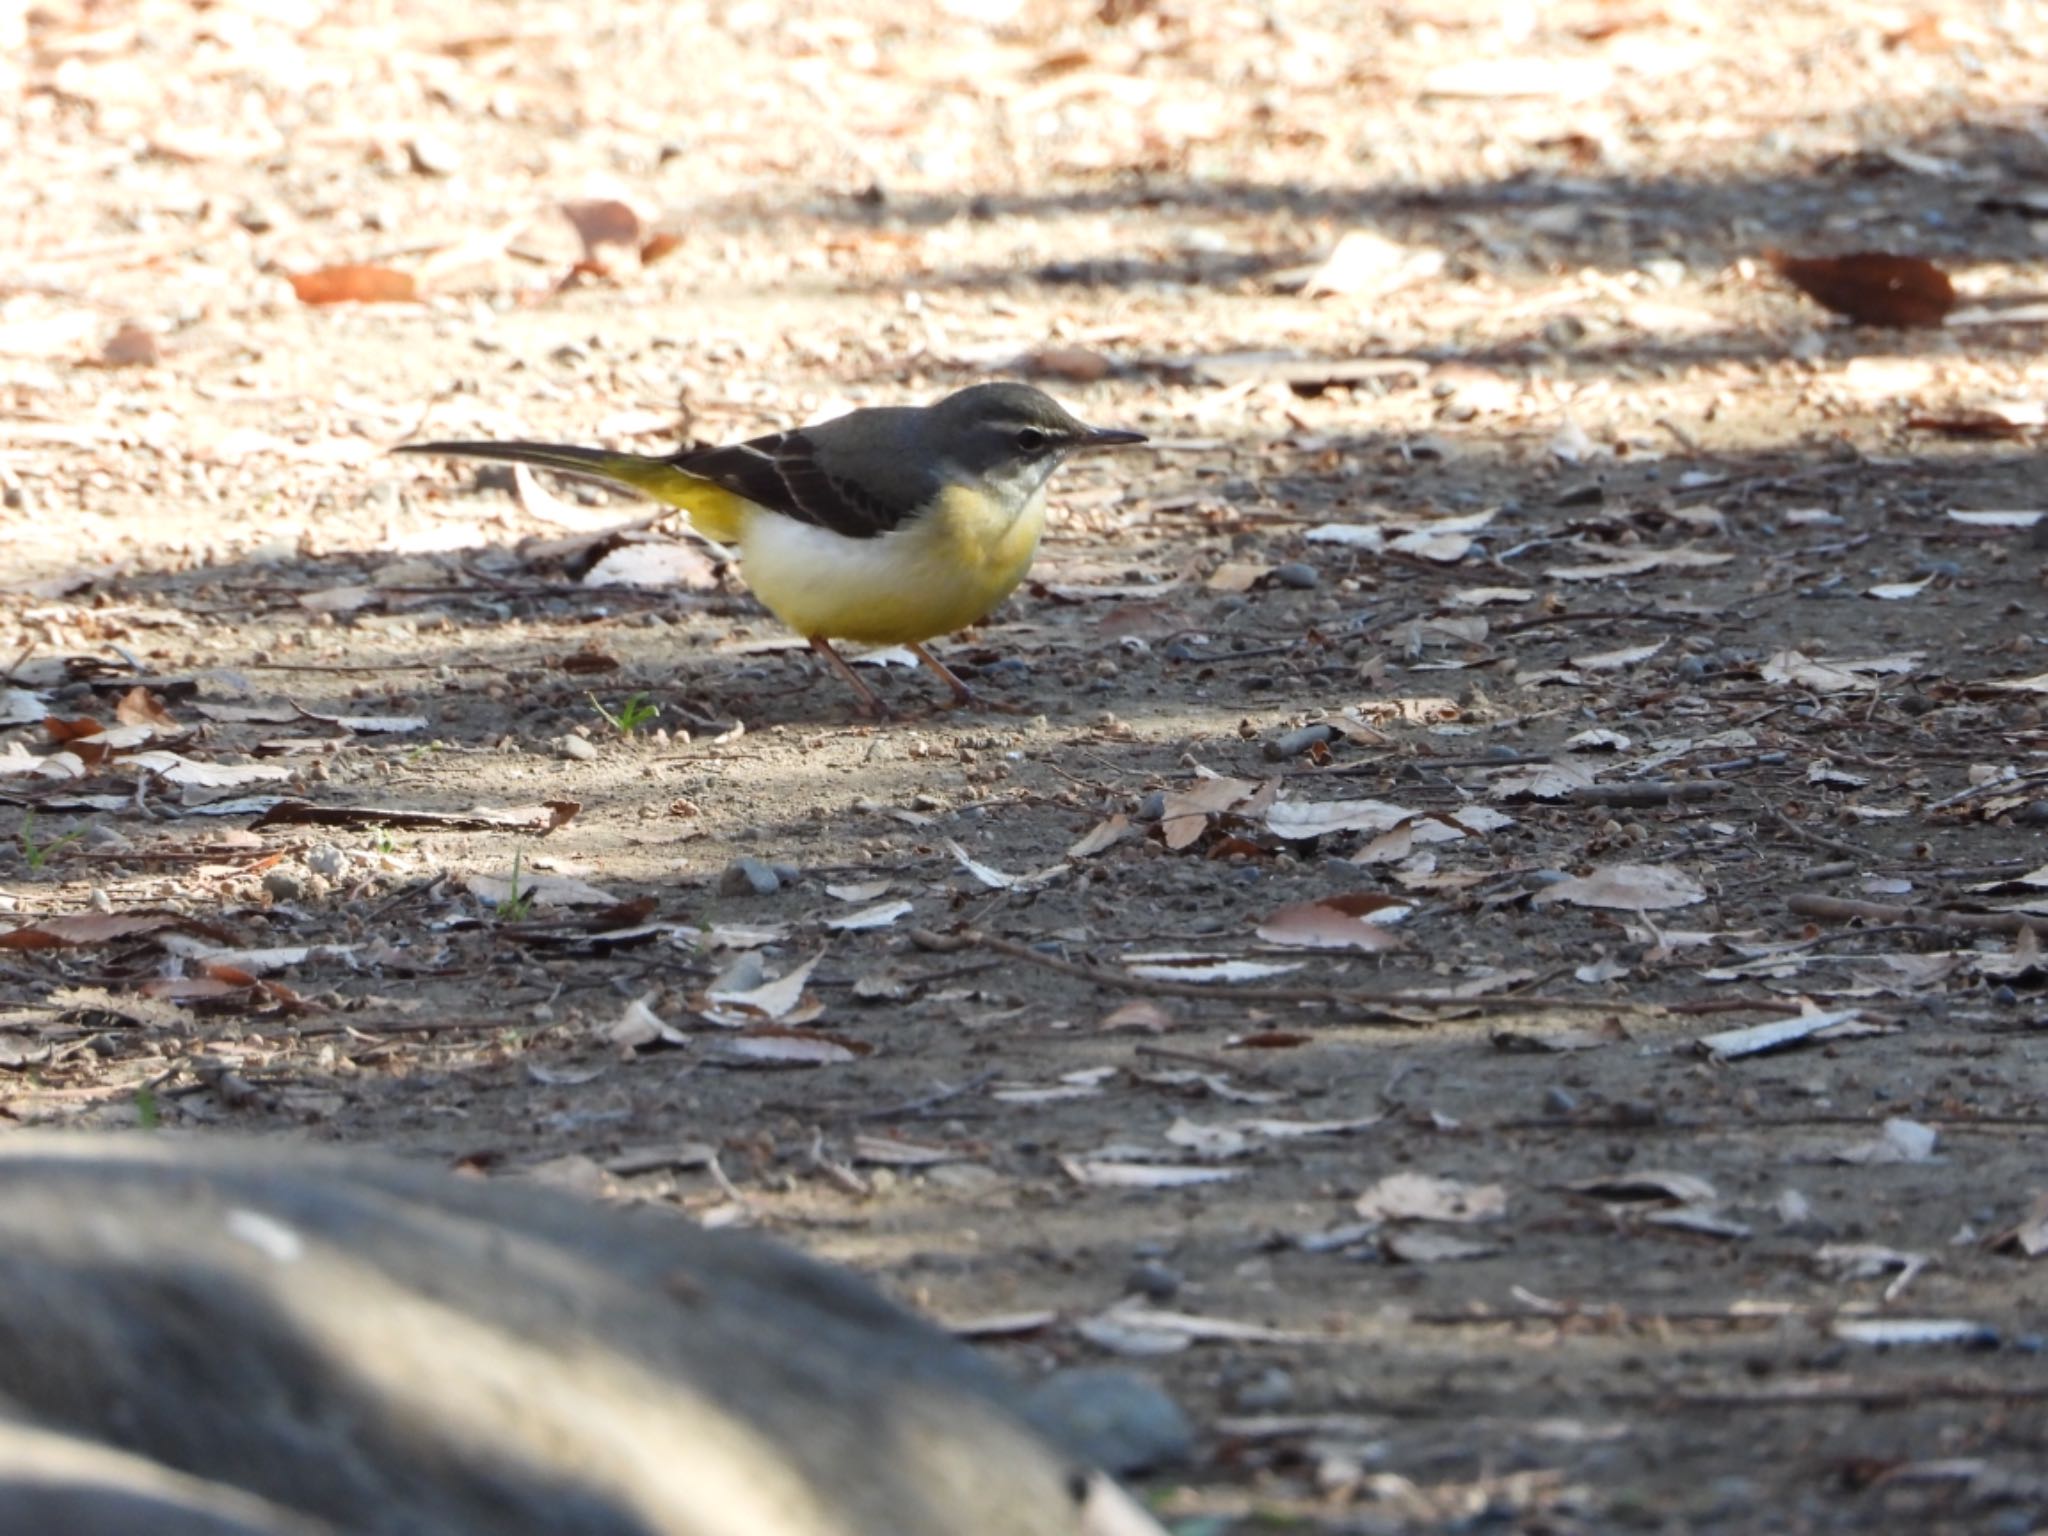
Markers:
<point>889,525</point>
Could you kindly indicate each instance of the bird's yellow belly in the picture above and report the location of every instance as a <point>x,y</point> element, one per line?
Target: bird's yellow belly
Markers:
<point>941,572</point>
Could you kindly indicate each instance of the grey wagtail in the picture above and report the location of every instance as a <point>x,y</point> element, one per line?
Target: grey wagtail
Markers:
<point>886,526</point>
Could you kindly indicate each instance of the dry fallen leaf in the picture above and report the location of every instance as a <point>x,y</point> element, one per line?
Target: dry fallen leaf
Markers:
<point>1802,671</point>
<point>1900,1141</point>
<point>1615,564</point>
<point>1423,1197</point>
<point>1365,264</point>
<point>539,820</point>
<point>1649,1184</point>
<point>1755,1039</point>
<point>1998,418</point>
<point>1102,1173</point>
<point>1100,838</point>
<point>769,1045</point>
<point>87,928</point>
<point>1184,814</point>
<point>1204,968</point>
<point>1353,920</point>
<point>1614,661</point>
<point>20,707</point>
<point>660,564</point>
<point>1134,1327</point>
<point>998,880</point>
<point>1299,820</point>
<point>1429,1245</point>
<point>2029,1236</point>
<point>541,890</point>
<point>1626,887</point>
<point>138,706</point>
<point>880,915</point>
<point>354,285</point>
<point>1871,287</point>
<point>780,1000</point>
<point>186,773</point>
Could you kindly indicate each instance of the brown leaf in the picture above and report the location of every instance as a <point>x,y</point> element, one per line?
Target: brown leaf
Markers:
<point>58,729</point>
<point>2007,418</point>
<point>1353,920</point>
<point>661,243</point>
<point>1871,287</point>
<point>1102,837</point>
<point>354,284</point>
<point>538,820</point>
<point>138,706</point>
<point>92,928</point>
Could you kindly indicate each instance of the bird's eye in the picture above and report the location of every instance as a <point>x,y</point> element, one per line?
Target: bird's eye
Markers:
<point>1030,439</point>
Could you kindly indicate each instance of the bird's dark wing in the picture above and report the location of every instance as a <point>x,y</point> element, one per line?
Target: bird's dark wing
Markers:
<point>782,473</point>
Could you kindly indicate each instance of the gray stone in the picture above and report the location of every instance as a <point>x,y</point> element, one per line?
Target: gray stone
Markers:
<point>1297,573</point>
<point>749,877</point>
<point>324,1342</point>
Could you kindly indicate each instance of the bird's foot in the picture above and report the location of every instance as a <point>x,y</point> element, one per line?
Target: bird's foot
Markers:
<point>963,697</point>
<point>867,702</point>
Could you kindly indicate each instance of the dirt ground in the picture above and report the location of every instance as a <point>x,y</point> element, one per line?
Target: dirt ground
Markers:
<point>1535,640</point>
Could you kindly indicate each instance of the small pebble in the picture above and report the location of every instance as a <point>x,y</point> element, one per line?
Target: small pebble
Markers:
<point>1298,574</point>
<point>576,748</point>
<point>328,860</point>
<point>1154,1281</point>
<point>282,885</point>
<point>748,877</point>
<point>1268,1392</point>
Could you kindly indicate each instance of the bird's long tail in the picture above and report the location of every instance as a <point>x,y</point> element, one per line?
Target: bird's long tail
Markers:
<point>714,511</point>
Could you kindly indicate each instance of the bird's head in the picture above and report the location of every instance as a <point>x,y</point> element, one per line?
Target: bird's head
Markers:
<point>1012,435</point>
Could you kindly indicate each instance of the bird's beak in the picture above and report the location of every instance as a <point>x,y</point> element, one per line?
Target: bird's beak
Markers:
<point>1108,437</point>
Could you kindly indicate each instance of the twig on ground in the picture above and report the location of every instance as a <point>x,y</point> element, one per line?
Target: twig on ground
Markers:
<point>1842,909</point>
<point>1785,823</point>
<point>925,1103</point>
<point>1384,1006</point>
